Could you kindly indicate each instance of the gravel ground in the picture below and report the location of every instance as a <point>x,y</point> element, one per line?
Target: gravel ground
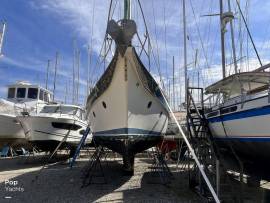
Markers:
<point>58,183</point>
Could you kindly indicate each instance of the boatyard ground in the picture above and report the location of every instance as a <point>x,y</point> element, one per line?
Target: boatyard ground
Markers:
<point>22,181</point>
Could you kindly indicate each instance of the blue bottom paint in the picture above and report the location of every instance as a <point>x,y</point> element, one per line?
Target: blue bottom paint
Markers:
<point>127,131</point>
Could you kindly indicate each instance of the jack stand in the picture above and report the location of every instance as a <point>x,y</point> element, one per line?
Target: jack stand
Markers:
<point>92,168</point>
<point>160,166</point>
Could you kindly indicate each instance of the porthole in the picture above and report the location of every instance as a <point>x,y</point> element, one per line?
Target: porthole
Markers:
<point>94,114</point>
<point>149,105</point>
<point>104,105</point>
<point>160,114</point>
<point>82,132</point>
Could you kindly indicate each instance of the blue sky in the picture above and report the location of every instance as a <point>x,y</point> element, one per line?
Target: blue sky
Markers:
<point>37,29</point>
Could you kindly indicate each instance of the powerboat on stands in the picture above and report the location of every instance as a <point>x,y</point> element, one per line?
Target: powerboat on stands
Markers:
<point>21,97</point>
<point>56,123</point>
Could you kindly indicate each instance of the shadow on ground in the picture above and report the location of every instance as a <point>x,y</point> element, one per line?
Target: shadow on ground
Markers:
<point>59,183</point>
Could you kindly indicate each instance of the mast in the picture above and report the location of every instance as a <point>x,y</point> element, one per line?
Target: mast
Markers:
<point>173,86</point>
<point>73,71</point>
<point>2,37</point>
<point>222,32</point>
<point>233,43</point>
<point>185,49</point>
<point>127,9</point>
<point>55,73</point>
<point>47,75</point>
<point>78,75</point>
<point>88,68</point>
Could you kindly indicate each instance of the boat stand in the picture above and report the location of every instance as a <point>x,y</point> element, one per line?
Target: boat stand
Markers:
<point>160,168</point>
<point>94,168</point>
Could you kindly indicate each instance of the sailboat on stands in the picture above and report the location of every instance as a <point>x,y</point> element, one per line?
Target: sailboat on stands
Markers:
<point>126,108</point>
<point>240,117</point>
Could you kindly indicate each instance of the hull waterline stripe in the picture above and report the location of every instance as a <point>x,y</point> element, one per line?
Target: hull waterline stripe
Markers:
<point>127,131</point>
<point>242,114</point>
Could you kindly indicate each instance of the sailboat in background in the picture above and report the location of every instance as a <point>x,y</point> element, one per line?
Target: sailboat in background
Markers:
<point>126,108</point>
<point>240,116</point>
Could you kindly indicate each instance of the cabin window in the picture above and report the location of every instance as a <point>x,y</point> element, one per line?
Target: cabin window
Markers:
<point>21,92</point>
<point>41,95</point>
<point>149,105</point>
<point>70,110</point>
<point>32,93</point>
<point>82,132</point>
<point>66,126</point>
<point>215,113</point>
<point>104,105</point>
<point>11,93</point>
<point>46,97</point>
<point>228,110</point>
<point>80,114</point>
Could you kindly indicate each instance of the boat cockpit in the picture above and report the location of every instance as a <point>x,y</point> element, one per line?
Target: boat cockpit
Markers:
<point>247,85</point>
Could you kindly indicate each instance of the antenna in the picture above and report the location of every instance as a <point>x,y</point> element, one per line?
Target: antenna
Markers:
<point>2,34</point>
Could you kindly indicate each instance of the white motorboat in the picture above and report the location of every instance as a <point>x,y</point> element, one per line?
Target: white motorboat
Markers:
<point>55,123</point>
<point>126,109</point>
<point>22,97</point>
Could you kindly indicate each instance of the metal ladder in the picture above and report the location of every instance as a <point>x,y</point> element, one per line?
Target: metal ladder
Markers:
<point>202,142</point>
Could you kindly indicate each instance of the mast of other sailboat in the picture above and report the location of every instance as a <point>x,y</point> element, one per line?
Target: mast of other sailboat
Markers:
<point>185,49</point>
<point>222,32</point>
<point>2,34</point>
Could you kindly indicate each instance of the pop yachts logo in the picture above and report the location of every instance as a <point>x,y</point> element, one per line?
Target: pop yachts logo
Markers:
<point>13,186</point>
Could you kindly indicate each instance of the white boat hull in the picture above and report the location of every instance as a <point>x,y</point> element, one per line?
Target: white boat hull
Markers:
<point>46,132</point>
<point>11,133</point>
<point>127,117</point>
<point>247,128</point>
